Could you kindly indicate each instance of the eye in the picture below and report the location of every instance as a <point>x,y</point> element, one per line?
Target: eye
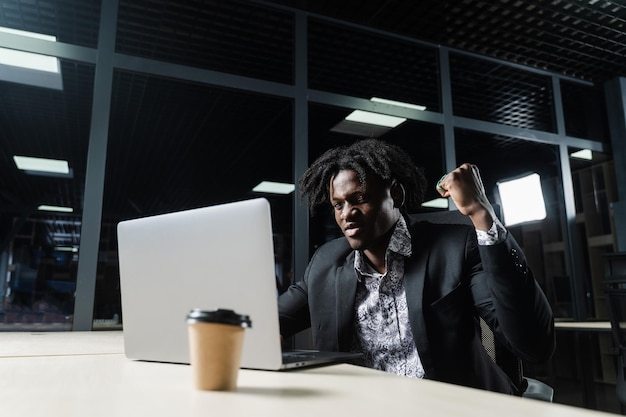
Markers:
<point>360,199</point>
<point>338,206</point>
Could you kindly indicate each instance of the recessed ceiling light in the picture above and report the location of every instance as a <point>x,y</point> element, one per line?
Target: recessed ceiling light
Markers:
<point>398,103</point>
<point>436,203</point>
<point>274,187</point>
<point>28,163</point>
<point>582,154</point>
<point>61,209</point>
<point>375,118</point>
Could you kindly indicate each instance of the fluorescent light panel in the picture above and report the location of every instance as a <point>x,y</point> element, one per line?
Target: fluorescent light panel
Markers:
<point>274,187</point>
<point>378,119</point>
<point>45,207</point>
<point>28,67</point>
<point>398,103</point>
<point>585,154</point>
<point>522,200</point>
<point>66,249</point>
<point>28,59</point>
<point>28,163</point>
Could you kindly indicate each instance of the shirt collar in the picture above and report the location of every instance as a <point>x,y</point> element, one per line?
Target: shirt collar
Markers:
<point>400,244</point>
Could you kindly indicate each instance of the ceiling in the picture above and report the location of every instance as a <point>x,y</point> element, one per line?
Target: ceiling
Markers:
<point>175,144</point>
<point>585,39</point>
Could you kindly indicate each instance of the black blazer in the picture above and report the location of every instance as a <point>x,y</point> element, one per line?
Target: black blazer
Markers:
<point>450,280</point>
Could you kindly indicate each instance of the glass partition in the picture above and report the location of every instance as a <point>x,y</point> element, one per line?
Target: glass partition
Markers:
<point>40,220</point>
<point>203,154</point>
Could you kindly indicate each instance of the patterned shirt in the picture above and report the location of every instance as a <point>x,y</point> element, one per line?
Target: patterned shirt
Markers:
<point>381,318</point>
<point>382,326</point>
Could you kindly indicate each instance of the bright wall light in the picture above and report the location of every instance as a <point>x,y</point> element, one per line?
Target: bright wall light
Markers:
<point>375,118</point>
<point>398,103</point>
<point>61,209</point>
<point>522,199</point>
<point>274,187</point>
<point>28,163</point>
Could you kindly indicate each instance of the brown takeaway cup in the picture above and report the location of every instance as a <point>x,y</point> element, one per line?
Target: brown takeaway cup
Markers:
<point>215,345</point>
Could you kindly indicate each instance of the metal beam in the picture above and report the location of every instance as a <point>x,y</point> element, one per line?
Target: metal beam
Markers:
<point>528,134</point>
<point>96,162</point>
<point>349,102</point>
<point>45,47</point>
<point>204,76</point>
<point>615,93</point>
<point>574,254</point>
<point>449,142</point>
<point>301,149</point>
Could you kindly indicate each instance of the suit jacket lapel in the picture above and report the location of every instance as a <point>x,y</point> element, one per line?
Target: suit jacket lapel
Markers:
<point>345,291</point>
<point>414,279</point>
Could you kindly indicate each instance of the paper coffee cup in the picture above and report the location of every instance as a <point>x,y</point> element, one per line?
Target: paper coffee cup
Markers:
<point>215,346</point>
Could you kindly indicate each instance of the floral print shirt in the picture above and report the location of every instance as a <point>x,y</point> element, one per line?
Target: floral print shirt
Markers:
<point>381,320</point>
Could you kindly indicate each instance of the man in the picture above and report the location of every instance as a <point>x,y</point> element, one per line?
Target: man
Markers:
<point>407,293</point>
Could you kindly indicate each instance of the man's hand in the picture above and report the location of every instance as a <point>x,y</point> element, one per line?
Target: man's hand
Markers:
<point>466,189</point>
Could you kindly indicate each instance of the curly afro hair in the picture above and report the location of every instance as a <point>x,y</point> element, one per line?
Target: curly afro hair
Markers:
<point>367,157</point>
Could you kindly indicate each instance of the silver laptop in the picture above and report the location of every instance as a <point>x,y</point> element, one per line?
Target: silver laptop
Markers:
<point>214,257</point>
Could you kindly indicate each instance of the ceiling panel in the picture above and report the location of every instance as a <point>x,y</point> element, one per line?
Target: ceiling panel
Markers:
<point>225,36</point>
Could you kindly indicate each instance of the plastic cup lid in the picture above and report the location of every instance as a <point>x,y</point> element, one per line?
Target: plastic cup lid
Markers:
<point>222,316</point>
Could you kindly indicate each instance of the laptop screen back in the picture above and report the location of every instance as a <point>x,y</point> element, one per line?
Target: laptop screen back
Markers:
<point>214,257</point>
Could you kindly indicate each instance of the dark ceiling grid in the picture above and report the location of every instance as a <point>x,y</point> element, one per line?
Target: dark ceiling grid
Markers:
<point>583,39</point>
<point>497,93</point>
<point>357,63</point>
<point>74,22</point>
<point>553,26</point>
<point>251,41</point>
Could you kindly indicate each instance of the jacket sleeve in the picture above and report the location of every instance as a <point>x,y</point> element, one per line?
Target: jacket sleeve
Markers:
<point>293,307</point>
<point>511,301</point>
<point>293,310</point>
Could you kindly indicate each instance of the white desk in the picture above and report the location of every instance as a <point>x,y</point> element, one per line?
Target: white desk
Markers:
<point>85,374</point>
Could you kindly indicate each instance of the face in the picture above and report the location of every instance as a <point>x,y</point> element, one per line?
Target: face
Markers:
<point>365,216</point>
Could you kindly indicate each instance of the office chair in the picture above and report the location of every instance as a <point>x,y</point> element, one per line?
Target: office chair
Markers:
<point>615,291</point>
<point>504,358</point>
